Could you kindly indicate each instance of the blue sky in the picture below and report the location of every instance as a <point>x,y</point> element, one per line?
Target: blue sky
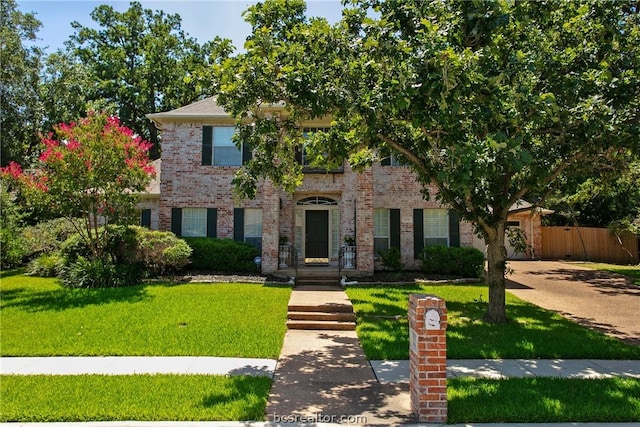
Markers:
<point>201,19</point>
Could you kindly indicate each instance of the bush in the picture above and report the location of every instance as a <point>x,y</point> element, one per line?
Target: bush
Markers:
<point>47,236</point>
<point>13,248</point>
<point>391,258</point>
<point>84,273</point>
<point>222,255</point>
<point>466,262</point>
<point>160,252</point>
<point>46,265</point>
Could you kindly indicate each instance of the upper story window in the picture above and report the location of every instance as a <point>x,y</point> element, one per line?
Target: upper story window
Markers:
<point>218,148</point>
<point>392,160</point>
<point>305,160</point>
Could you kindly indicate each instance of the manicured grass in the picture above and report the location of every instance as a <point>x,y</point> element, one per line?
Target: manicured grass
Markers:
<point>535,400</point>
<point>632,271</point>
<point>531,333</point>
<point>38,317</point>
<point>138,397</point>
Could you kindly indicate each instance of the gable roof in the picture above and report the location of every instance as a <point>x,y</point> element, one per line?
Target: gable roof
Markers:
<point>206,109</point>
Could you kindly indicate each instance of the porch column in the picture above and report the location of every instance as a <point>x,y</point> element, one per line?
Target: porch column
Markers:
<point>364,222</point>
<point>270,226</point>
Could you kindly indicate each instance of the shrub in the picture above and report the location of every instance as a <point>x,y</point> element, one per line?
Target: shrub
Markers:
<point>391,258</point>
<point>466,262</point>
<point>223,255</point>
<point>160,252</point>
<point>12,246</point>
<point>47,236</point>
<point>85,273</point>
<point>46,265</point>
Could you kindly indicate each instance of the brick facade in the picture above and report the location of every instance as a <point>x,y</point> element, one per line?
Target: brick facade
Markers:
<point>186,183</point>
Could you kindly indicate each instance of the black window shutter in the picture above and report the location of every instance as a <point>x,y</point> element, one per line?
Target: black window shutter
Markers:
<point>418,232</point>
<point>386,161</point>
<point>246,153</point>
<point>207,145</point>
<point>212,222</point>
<point>238,224</point>
<point>454,228</point>
<point>176,221</point>
<point>145,218</point>
<point>394,228</point>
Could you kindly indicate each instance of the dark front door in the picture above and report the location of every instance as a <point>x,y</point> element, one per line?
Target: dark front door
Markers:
<point>317,237</point>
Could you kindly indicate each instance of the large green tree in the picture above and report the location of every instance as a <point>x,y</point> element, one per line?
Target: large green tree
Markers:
<point>19,101</point>
<point>490,101</point>
<point>143,62</point>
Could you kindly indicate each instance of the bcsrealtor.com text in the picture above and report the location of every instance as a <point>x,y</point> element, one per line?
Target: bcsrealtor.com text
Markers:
<point>319,417</point>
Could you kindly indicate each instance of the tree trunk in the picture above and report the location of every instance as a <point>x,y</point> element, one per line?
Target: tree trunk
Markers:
<point>496,267</point>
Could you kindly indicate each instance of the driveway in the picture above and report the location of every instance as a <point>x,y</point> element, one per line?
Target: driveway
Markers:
<point>598,300</point>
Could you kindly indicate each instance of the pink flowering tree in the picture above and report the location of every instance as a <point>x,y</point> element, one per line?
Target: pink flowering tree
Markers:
<point>89,172</point>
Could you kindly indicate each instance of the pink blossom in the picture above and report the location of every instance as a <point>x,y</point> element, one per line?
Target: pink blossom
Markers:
<point>73,145</point>
<point>13,169</point>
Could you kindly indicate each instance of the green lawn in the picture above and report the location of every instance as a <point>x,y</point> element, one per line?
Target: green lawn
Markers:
<point>538,400</point>
<point>532,332</point>
<point>133,397</point>
<point>631,271</point>
<point>38,317</point>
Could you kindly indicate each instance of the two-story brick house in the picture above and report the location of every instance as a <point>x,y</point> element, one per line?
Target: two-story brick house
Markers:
<point>380,208</point>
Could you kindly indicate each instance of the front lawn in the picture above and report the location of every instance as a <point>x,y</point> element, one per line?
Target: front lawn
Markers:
<point>631,271</point>
<point>532,332</point>
<point>42,398</point>
<point>543,400</point>
<point>38,317</point>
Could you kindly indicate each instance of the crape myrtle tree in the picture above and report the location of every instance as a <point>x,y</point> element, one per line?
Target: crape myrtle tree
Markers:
<point>489,101</point>
<point>89,172</point>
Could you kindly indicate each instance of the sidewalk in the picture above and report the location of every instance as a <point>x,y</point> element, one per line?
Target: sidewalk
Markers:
<point>383,371</point>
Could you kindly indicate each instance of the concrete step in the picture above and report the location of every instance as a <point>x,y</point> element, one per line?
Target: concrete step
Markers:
<point>321,308</point>
<point>323,317</point>
<point>321,281</point>
<point>312,325</point>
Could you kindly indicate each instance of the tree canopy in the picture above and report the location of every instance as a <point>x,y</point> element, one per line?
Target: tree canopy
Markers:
<point>19,101</point>
<point>143,62</point>
<point>489,101</point>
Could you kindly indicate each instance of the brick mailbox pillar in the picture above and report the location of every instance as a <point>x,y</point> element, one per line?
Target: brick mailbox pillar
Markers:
<point>428,357</point>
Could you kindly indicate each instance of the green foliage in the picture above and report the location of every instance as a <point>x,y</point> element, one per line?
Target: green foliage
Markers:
<point>46,265</point>
<point>465,262</point>
<point>156,252</point>
<point>221,255</point>
<point>391,258</point>
<point>97,273</point>
<point>47,236</point>
<point>486,101</point>
<point>160,252</point>
<point>13,248</point>
<point>143,62</point>
<point>90,398</point>
<point>19,101</point>
<point>92,170</point>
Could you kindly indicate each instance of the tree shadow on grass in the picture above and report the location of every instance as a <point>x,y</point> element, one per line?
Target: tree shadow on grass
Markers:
<point>61,299</point>
<point>531,333</point>
<point>519,400</point>
<point>248,395</point>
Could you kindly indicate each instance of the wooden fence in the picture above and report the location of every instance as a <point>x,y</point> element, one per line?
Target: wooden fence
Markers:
<point>588,244</point>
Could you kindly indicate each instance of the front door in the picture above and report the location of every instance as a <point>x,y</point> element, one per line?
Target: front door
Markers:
<point>316,247</point>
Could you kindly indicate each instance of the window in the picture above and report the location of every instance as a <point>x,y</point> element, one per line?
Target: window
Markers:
<point>218,148</point>
<point>194,222</point>
<point>306,161</point>
<point>436,227</point>
<point>253,227</point>
<point>380,230</point>
<point>145,218</point>
<point>392,160</point>
<point>225,152</point>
